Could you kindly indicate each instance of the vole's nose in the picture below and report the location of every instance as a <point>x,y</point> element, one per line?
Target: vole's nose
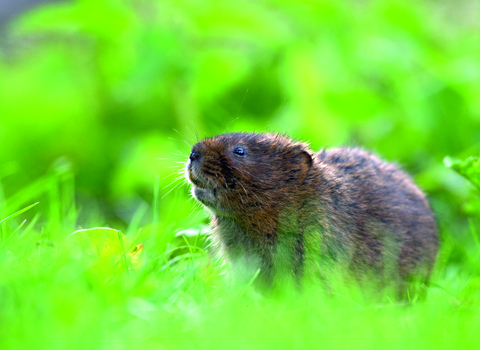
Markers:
<point>194,156</point>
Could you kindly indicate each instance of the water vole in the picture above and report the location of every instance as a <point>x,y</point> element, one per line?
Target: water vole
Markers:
<point>280,208</point>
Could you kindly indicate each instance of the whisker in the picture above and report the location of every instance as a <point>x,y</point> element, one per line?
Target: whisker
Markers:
<point>169,175</point>
<point>195,135</point>
<point>171,183</point>
<point>174,187</point>
<point>184,138</point>
<point>198,209</point>
<point>246,194</point>
<point>258,198</point>
<point>178,156</point>
<point>224,179</point>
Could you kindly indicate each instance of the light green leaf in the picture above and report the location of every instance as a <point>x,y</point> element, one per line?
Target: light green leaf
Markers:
<point>469,168</point>
<point>194,231</point>
<point>105,242</point>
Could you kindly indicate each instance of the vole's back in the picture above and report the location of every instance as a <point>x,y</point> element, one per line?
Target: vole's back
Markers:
<point>388,220</point>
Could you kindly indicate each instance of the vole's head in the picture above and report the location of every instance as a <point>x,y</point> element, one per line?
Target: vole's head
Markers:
<point>240,172</point>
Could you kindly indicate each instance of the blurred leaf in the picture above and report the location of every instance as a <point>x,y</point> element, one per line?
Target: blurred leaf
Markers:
<point>469,168</point>
<point>92,80</point>
<point>190,232</point>
<point>250,21</point>
<point>216,71</point>
<point>105,19</point>
<point>107,243</point>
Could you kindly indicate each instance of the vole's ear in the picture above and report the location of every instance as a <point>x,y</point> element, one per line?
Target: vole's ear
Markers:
<point>306,163</point>
<point>300,160</point>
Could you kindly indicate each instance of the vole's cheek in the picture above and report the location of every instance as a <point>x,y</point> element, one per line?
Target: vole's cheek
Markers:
<point>189,169</point>
<point>206,196</point>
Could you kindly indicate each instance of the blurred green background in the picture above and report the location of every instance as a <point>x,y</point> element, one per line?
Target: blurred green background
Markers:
<point>113,92</point>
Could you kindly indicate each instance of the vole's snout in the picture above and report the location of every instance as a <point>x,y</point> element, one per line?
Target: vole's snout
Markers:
<point>194,156</point>
<point>194,169</point>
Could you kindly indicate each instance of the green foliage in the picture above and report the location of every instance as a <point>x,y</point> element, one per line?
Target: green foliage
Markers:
<point>110,245</point>
<point>92,94</point>
<point>55,295</point>
<point>106,83</point>
<point>469,169</point>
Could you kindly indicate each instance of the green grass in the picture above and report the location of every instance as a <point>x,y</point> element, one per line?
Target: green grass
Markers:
<point>54,294</point>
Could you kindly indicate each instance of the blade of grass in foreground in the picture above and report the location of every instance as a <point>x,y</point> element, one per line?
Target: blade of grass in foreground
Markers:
<point>18,213</point>
<point>2,221</point>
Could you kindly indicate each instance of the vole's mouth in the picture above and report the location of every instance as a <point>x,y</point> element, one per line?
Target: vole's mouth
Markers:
<point>202,190</point>
<point>196,182</point>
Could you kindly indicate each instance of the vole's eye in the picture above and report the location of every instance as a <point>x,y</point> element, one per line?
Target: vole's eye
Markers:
<point>239,151</point>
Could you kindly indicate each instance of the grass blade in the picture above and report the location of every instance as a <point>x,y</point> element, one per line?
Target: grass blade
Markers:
<point>18,213</point>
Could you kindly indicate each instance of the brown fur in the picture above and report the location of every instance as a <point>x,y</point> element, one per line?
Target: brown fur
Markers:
<point>283,210</point>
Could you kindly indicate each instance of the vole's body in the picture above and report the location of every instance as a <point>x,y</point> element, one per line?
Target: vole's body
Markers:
<point>281,209</point>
